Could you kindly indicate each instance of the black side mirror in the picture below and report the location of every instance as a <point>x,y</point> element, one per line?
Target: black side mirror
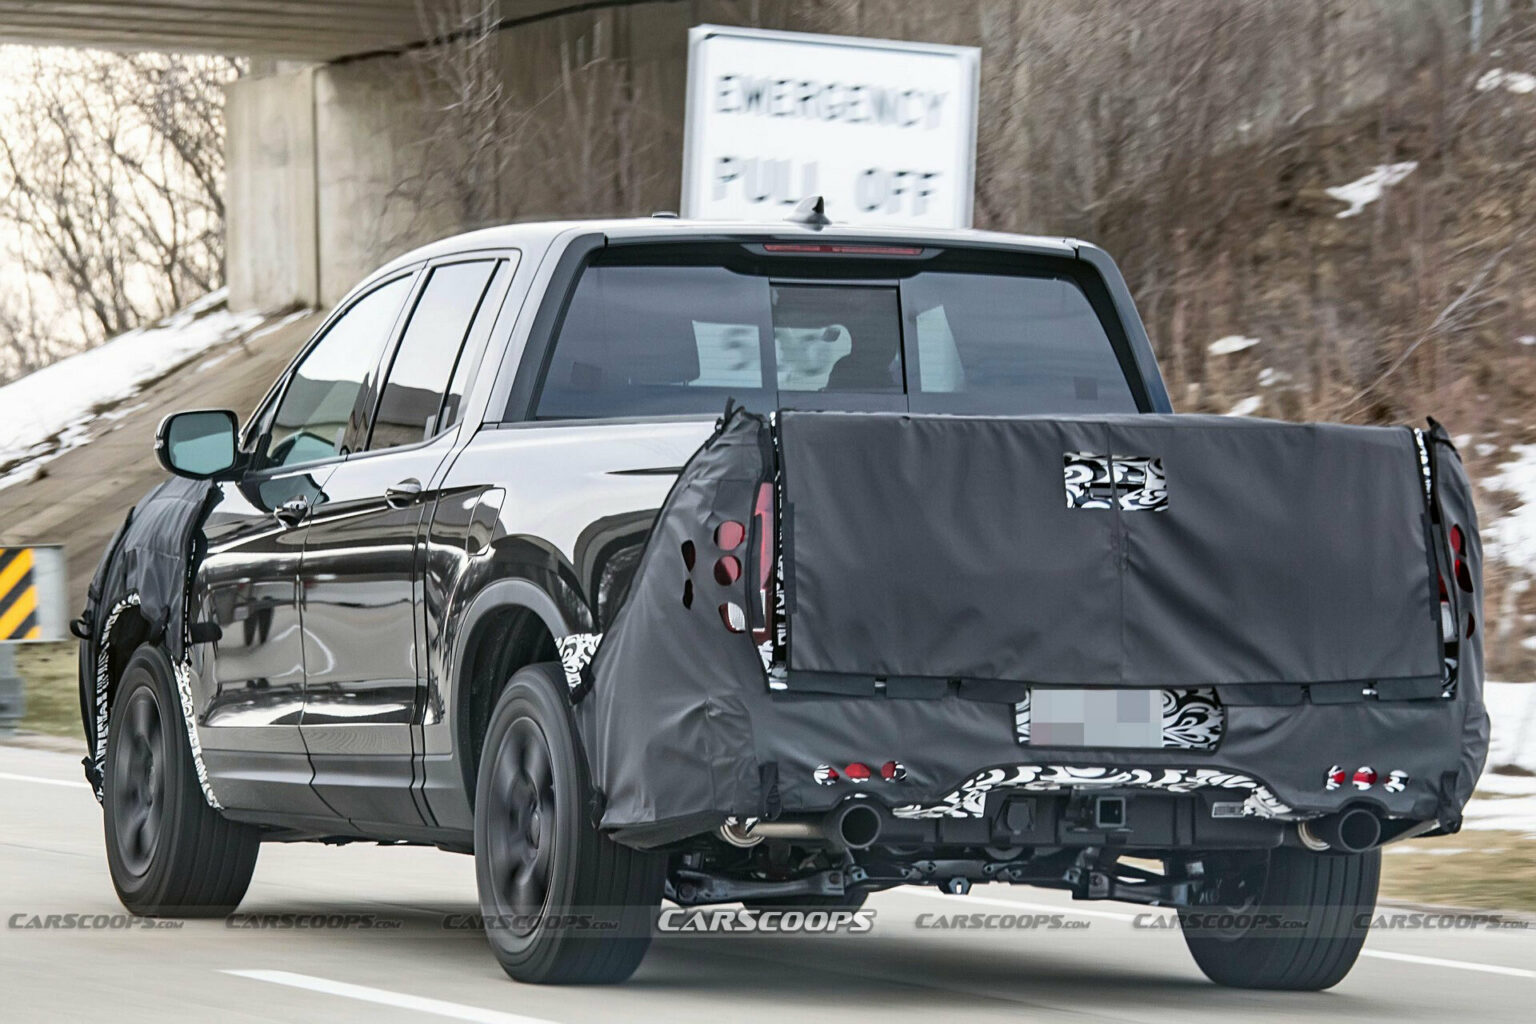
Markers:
<point>199,444</point>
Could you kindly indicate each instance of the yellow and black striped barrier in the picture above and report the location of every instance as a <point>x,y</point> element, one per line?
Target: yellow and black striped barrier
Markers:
<point>18,596</point>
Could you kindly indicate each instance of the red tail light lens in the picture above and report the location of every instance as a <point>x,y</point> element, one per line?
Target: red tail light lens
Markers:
<point>727,570</point>
<point>729,535</point>
<point>1458,542</point>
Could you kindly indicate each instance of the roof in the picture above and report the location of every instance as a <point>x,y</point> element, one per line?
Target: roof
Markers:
<point>539,235</point>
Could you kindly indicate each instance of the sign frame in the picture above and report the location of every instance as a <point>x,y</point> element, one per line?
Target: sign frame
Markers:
<point>696,98</point>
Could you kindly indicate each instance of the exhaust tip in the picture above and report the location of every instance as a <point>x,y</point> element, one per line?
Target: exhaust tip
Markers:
<point>1356,831</point>
<point>1351,831</point>
<point>858,826</point>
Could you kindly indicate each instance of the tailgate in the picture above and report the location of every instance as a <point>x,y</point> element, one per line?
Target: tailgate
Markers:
<point>1136,551</point>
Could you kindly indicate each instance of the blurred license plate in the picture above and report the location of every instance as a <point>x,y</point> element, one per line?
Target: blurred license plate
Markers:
<point>1096,718</point>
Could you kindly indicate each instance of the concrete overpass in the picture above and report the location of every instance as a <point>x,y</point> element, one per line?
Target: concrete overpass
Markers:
<point>337,154</point>
<point>306,30</point>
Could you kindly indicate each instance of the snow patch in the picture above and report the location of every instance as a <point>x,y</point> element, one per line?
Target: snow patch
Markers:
<point>1517,82</point>
<point>1508,802</point>
<point>1247,407</point>
<point>1511,538</point>
<point>1363,191</point>
<point>1230,344</point>
<point>1527,340</point>
<point>1269,377</point>
<point>47,412</point>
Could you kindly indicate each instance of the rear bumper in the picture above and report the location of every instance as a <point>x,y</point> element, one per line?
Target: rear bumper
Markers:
<point>955,760</point>
<point>1404,759</point>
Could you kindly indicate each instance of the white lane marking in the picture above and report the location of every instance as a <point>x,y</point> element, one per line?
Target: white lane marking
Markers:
<point>9,777</point>
<point>1379,954</point>
<point>1461,965</point>
<point>384,997</point>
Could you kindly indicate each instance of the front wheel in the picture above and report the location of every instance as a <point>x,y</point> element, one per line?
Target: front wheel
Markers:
<point>563,903</point>
<point>1301,927</point>
<point>170,854</point>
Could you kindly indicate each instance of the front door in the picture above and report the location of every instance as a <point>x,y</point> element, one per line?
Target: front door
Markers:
<point>248,583</point>
<point>253,678</point>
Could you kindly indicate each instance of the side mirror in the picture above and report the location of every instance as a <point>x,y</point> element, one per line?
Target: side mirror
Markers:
<point>199,444</point>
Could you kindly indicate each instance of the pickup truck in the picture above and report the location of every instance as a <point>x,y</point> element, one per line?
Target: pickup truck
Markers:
<point>776,565</point>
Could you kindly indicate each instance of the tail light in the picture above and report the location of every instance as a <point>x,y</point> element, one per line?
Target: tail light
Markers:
<point>762,516</point>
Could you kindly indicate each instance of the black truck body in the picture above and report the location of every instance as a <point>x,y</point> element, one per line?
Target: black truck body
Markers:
<point>946,595</point>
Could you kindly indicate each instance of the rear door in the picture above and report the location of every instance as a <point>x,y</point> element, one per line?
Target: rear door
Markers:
<point>361,571</point>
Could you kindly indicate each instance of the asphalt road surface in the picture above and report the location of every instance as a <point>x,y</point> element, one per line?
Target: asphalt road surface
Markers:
<point>417,968</point>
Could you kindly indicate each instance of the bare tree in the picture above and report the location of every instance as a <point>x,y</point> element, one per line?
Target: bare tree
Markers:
<point>111,182</point>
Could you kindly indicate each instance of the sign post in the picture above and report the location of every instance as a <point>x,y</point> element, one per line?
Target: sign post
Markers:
<point>884,130</point>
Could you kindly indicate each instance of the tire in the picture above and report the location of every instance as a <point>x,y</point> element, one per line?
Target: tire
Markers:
<point>538,855</point>
<point>170,854</point>
<point>1333,894</point>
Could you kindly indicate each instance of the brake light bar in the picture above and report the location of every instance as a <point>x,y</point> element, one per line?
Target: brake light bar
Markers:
<point>836,249</point>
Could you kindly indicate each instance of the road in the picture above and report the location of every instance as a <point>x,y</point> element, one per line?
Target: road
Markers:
<point>51,863</point>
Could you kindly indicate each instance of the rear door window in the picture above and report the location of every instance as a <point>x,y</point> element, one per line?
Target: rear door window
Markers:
<point>411,403</point>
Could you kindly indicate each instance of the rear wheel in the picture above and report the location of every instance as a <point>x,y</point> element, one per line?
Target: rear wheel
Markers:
<point>563,904</point>
<point>170,854</point>
<point>1301,927</point>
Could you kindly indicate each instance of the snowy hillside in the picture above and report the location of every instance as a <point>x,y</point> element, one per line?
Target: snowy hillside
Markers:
<point>48,412</point>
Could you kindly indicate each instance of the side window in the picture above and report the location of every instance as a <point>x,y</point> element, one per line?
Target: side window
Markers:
<point>412,398</point>
<point>312,418</point>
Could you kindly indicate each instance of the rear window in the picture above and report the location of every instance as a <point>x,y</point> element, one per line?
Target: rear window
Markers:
<point>648,340</point>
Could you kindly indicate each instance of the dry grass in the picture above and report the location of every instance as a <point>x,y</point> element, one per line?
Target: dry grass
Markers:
<point>52,688</point>
<point>1486,870</point>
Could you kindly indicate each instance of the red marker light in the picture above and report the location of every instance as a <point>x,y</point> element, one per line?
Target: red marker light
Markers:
<point>857,772</point>
<point>729,535</point>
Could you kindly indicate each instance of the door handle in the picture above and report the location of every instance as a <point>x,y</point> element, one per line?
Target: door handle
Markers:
<point>292,512</point>
<point>403,493</point>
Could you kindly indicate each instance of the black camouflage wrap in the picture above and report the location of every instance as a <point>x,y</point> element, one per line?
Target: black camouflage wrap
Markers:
<point>144,571</point>
<point>936,569</point>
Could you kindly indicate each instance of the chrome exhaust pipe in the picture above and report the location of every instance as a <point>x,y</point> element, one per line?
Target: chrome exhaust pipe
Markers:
<point>853,825</point>
<point>1353,830</point>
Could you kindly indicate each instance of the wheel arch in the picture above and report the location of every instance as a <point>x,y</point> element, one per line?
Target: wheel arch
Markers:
<point>510,624</point>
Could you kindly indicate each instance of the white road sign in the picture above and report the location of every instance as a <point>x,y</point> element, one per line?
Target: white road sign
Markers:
<point>886,131</point>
